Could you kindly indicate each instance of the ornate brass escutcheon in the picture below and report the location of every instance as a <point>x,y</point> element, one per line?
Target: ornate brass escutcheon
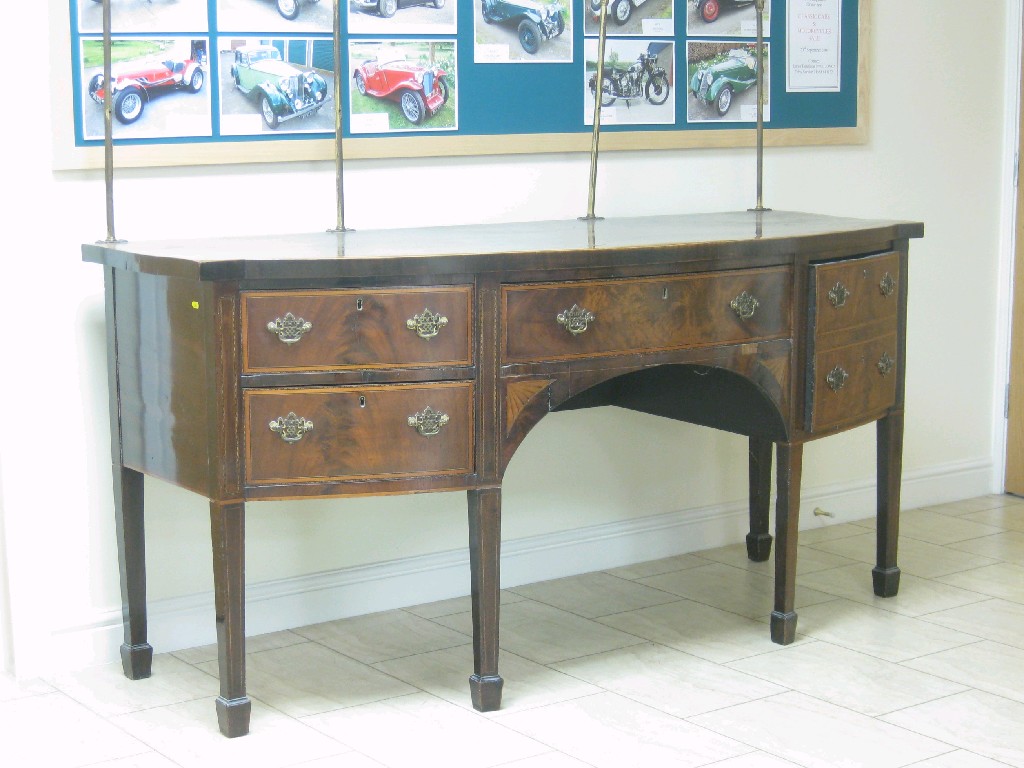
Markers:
<point>838,295</point>
<point>837,378</point>
<point>428,421</point>
<point>575,320</point>
<point>744,306</point>
<point>426,323</point>
<point>289,328</point>
<point>887,284</point>
<point>885,364</point>
<point>291,428</point>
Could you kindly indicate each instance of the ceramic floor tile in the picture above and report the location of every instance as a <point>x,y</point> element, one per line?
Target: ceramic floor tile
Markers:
<point>60,733</point>
<point>544,634</point>
<point>657,567</point>
<point>105,690</point>
<point>816,734</point>
<point>307,679</point>
<point>456,605</point>
<point>408,730</point>
<point>1009,518</point>
<point>883,634</point>
<point>957,759</point>
<point>976,504</point>
<point>252,645</point>
<point>595,594</point>
<point>1002,580</point>
<point>998,620</point>
<point>823,533</point>
<point>738,590</point>
<point>755,760</point>
<point>705,632</point>
<point>935,527</point>
<point>11,688</point>
<point>607,730</point>
<point>445,675</point>
<point>1006,545</point>
<point>917,558</point>
<point>547,760</point>
<point>380,636</point>
<point>847,678</point>
<point>147,760</point>
<point>975,721</point>
<point>187,733</point>
<point>668,680</point>
<point>987,666</point>
<point>916,596</point>
<point>807,560</point>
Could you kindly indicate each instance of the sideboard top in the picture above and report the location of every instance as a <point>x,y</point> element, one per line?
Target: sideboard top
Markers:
<point>735,238</point>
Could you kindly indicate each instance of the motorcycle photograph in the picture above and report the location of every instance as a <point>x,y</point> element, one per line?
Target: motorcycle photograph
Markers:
<point>643,79</point>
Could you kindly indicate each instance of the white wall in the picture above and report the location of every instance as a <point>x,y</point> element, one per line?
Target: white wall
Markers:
<point>639,486</point>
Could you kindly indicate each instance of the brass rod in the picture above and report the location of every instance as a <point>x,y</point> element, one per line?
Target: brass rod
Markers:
<point>108,128</point>
<point>759,10</point>
<point>598,94</point>
<point>339,158</point>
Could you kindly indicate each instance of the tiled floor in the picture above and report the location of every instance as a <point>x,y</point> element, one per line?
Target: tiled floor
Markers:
<point>665,663</point>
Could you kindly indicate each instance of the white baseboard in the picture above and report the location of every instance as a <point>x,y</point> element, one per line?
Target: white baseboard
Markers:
<point>185,622</point>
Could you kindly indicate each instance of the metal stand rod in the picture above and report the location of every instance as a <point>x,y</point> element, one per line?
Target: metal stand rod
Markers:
<point>598,93</point>
<point>339,157</point>
<point>108,127</point>
<point>759,9</point>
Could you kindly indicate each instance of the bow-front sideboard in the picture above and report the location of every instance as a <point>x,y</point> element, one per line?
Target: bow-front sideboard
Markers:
<point>401,361</point>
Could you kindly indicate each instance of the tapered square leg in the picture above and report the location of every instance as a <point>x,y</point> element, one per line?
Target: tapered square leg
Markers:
<point>759,541</point>
<point>787,519</point>
<point>227,527</point>
<point>889,433</point>
<point>136,652</point>
<point>485,561</point>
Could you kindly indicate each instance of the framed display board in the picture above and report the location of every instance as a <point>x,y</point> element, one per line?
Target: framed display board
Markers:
<point>223,81</point>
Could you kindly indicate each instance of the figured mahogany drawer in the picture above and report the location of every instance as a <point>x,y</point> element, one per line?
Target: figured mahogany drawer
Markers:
<point>344,433</point>
<point>552,321</point>
<point>848,383</point>
<point>336,329</point>
<point>854,292</point>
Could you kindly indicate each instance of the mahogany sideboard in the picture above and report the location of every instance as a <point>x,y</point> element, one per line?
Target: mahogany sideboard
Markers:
<point>382,362</point>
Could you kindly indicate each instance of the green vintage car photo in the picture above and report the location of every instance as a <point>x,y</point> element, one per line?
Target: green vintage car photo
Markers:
<point>281,90</point>
<point>717,80</point>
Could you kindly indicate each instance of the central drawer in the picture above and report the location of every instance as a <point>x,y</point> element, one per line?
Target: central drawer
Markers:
<point>553,321</point>
<point>341,329</point>
<point>347,433</point>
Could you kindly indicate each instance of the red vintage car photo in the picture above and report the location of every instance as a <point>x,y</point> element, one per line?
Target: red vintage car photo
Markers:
<point>419,91</point>
<point>135,87</point>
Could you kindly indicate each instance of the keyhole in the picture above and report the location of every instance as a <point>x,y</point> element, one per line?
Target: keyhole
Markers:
<point>664,293</point>
<point>362,401</point>
<point>359,305</point>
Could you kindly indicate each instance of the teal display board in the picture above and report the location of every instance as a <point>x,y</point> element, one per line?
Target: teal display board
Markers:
<point>211,81</point>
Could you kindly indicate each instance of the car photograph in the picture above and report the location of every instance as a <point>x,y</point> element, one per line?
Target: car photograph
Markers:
<point>619,11</point>
<point>388,8</point>
<point>134,86</point>
<point>420,92</point>
<point>289,9</point>
<point>534,21</point>
<point>280,89</point>
<point>710,10</point>
<point>717,81</point>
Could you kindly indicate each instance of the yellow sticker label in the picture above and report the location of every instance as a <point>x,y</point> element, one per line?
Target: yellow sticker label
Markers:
<point>195,305</point>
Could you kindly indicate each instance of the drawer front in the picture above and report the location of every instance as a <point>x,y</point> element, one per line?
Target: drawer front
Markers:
<point>855,292</point>
<point>324,330</point>
<point>593,318</point>
<point>346,433</point>
<point>853,381</point>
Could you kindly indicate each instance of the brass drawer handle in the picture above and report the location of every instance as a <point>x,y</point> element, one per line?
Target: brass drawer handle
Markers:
<point>838,295</point>
<point>426,323</point>
<point>289,328</point>
<point>291,428</point>
<point>575,320</point>
<point>885,364</point>
<point>837,378</point>
<point>887,284</point>
<point>428,421</point>
<point>744,306</point>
